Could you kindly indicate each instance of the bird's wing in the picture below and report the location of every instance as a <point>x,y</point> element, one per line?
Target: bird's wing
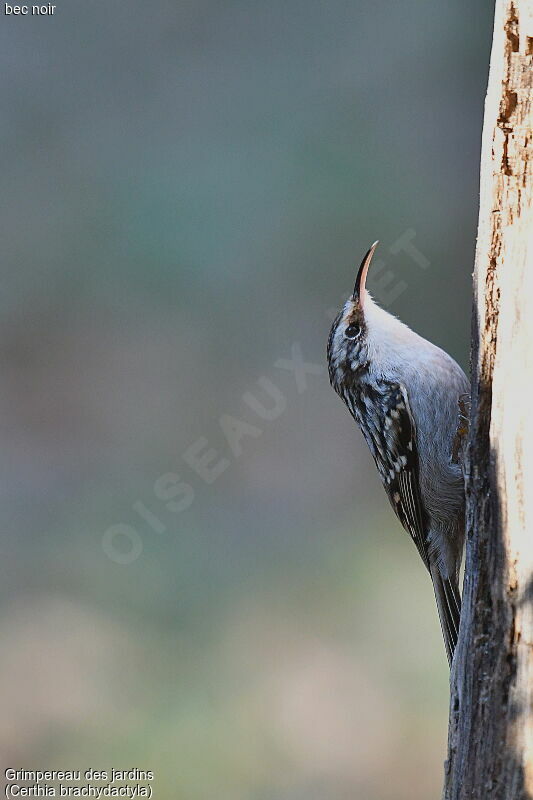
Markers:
<point>391,436</point>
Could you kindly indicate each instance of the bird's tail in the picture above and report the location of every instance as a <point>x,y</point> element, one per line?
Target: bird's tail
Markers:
<point>449,607</point>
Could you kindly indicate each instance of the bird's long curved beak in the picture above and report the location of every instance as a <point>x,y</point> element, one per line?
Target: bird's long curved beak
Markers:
<point>359,288</point>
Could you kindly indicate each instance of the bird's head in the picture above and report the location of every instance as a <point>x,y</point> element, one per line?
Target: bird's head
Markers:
<point>349,338</point>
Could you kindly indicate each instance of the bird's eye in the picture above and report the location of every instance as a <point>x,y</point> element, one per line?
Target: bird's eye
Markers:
<point>352,331</point>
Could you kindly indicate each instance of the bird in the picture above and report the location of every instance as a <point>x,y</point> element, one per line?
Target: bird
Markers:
<point>404,392</point>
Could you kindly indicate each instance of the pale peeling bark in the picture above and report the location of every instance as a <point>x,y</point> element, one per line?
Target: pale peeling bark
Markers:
<point>490,752</point>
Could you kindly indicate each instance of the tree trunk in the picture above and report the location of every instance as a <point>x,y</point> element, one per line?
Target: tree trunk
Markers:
<point>490,746</point>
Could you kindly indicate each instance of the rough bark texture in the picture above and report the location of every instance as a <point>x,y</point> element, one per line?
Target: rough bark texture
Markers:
<point>490,748</point>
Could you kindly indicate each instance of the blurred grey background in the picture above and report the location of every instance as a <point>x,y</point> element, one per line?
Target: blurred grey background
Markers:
<point>188,188</point>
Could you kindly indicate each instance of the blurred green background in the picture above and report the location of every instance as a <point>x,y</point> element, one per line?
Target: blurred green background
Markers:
<point>188,187</point>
